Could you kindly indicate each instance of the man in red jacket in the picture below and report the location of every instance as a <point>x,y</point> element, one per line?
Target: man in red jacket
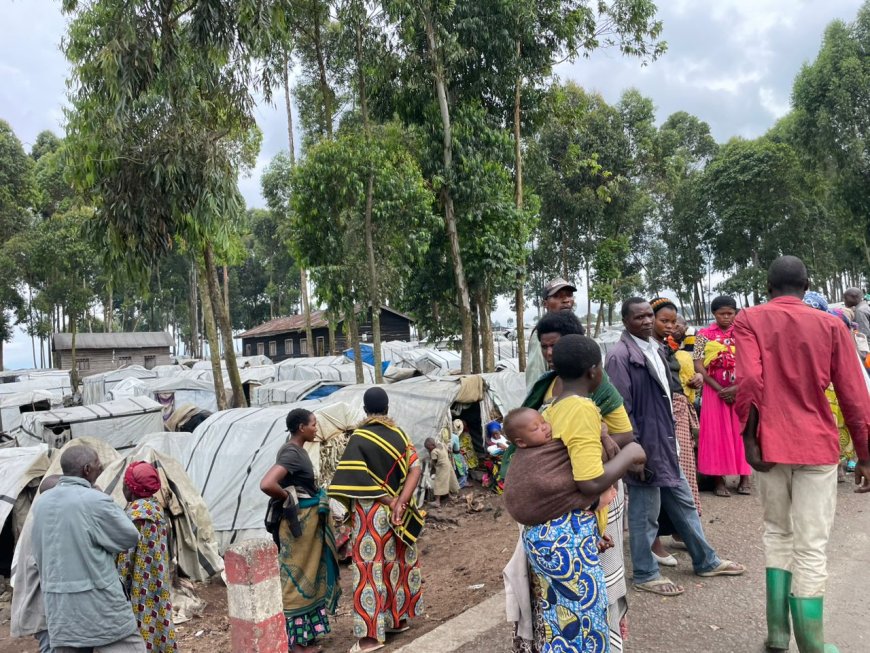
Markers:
<point>787,355</point>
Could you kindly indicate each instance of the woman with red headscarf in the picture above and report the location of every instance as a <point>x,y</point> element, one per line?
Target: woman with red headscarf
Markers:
<point>144,569</point>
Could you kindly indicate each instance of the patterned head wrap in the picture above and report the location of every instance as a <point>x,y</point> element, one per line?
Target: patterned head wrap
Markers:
<point>493,427</point>
<point>142,479</point>
<point>841,313</point>
<point>816,300</point>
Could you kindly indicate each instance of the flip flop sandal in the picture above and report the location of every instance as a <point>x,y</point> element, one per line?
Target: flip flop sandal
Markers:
<point>725,568</point>
<point>745,490</point>
<point>722,492</point>
<point>667,561</point>
<point>356,648</point>
<point>655,587</point>
<point>400,629</point>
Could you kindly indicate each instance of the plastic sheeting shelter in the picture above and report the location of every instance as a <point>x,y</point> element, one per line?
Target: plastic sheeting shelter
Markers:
<point>13,406</point>
<point>286,367</point>
<point>241,361</point>
<point>19,466</point>
<point>346,373</point>
<point>57,383</point>
<point>420,406</point>
<point>507,364</point>
<point>504,391</point>
<point>289,392</point>
<point>120,423</point>
<point>433,362</point>
<point>96,388</point>
<point>192,527</point>
<point>230,452</point>
<point>174,391</point>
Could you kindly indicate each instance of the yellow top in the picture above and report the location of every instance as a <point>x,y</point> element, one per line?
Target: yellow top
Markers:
<point>577,422</point>
<point>687,371</point>
<point>617,420</point>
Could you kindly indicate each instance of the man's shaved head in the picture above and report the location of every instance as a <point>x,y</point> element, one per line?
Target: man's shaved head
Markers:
<point>787,275</point>
<point>82,461</point>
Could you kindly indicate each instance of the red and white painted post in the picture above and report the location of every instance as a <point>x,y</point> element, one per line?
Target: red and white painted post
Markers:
<point>254,599</point>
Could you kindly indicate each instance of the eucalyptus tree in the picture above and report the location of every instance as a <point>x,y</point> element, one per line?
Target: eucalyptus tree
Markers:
<point>161,124</point>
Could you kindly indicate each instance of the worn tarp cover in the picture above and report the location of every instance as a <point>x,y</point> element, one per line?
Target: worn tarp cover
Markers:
<point>57,384</point>
<point>96,386</point>
<point>228,454</point>
<point>259,374</point>
<point>505,391</point>
<point>434,362</point>
<point>11,407</point>
<point>286,367</point>
<point>120,423</point>
<point>174,391</point>
<point>18,467</point>
<point>192,528</point>
<point>346,372</point>
<point>288,392</point>
<point>420,406</point>
<point>241,361</point>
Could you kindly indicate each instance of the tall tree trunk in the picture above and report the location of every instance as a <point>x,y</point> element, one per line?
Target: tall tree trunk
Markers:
<point>353,334</point>
<point>227,289</point>
<point>447,197</point>
<point>588,300</point>
<point>223,318</point>
<point>212,336</point>
<point>195,346</point>
<point>289,106</point>
<point>330,336</point>
<point>374,286</point>
<point>306,311</point>
<point>74,371</point>
<point>325,91</point>
<point>485,321</point>
<point>109,310</point>
<point>475,341</point>
<point>519,294</point>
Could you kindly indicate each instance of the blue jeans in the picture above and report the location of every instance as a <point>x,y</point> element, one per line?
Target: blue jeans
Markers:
<point>644,504</point>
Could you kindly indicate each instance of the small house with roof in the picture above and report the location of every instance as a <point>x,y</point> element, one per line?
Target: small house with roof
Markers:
<point>284,337</point>
<point>104,352</point>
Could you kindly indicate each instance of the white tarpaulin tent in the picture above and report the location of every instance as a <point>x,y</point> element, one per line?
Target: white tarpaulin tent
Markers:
<point>286,367</point>
<point>420,406</point>
<point>120,423</point>
<point>230,452</point>
<point>259,374</point>
<point>95,388</point>
<point>289,392</point>
<point>504,391</point>
<point>14,405</point>
<point>192,528</point>
<point>507,364</point>
<point>19,466</point>
<point>392,350</point>
<point>57,384</point>
<point>434,362</point>
<point>175,391</point>
<point>241,361</point>
<point>346,372</point>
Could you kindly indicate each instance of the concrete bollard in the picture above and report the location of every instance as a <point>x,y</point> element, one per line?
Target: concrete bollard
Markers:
<point>254,599</point>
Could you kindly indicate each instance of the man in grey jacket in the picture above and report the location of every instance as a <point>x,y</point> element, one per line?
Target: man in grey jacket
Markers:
<point>77,532</point>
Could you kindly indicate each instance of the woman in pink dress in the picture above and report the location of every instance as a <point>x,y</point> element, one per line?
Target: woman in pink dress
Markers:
<point>720,445</point>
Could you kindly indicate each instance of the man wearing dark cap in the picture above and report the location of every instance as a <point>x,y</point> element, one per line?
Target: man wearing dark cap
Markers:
<point>558,295</point>
<point>788,354</point>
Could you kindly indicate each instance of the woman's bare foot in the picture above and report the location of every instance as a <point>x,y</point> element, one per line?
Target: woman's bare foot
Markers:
<point>659,549</point>
<point>721,489</point>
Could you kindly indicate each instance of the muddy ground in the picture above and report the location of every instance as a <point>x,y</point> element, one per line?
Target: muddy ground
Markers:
<point>465,545</point>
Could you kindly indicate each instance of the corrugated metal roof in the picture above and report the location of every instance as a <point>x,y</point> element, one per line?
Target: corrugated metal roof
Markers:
<point>133,340</point>
<point>296,323</point>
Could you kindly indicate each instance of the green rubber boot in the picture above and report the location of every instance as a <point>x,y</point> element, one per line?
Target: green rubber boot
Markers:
<point>778,590</point>
<point>807,613</point>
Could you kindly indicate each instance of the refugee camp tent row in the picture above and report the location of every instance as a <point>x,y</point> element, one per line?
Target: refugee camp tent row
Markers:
<point>286,367</point>
<point>241,361</point>
<point>433,362</point>
<point>57,382</point>
<point>120,423</point>
<point>230,452</point>
<point>289,392</point>
<point>13,406</point>
<point>345,372</point>
<point>21,469</point>
<point>97,387</point>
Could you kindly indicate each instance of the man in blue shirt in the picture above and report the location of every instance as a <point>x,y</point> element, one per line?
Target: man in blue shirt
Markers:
<point>77,532</point>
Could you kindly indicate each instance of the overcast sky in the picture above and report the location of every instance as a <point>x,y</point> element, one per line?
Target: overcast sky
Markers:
<point>731,63</point>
